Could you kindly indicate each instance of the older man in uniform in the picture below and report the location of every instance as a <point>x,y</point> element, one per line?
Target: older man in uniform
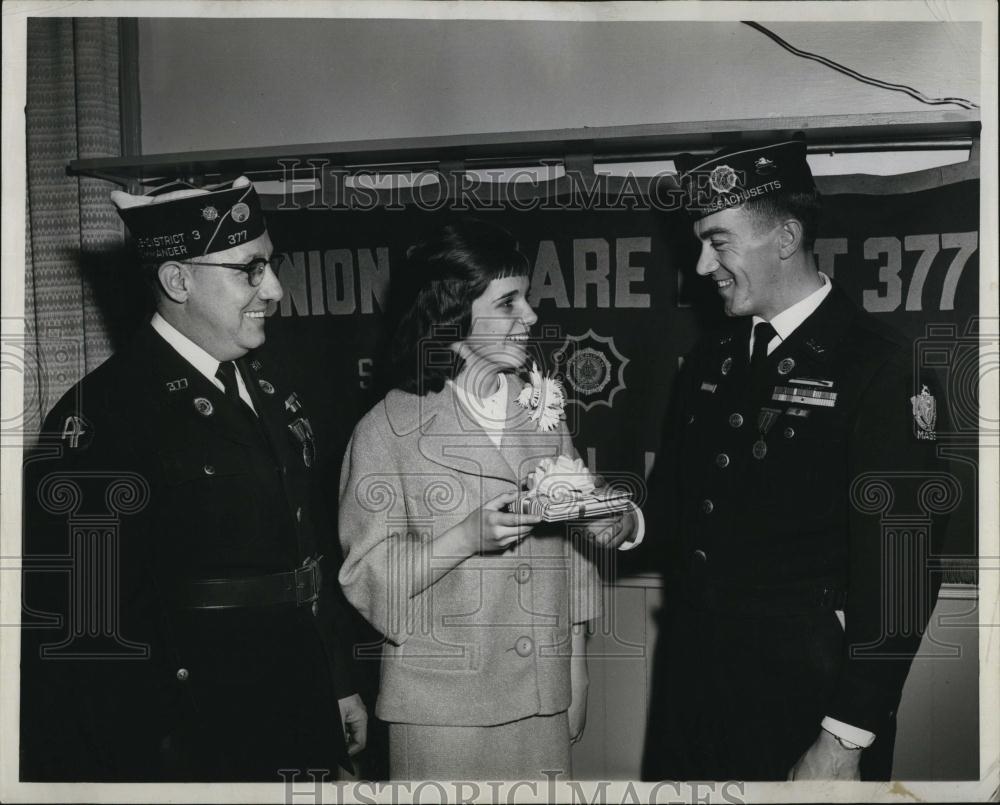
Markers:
<point>194,631</point>
<point>791,622</point>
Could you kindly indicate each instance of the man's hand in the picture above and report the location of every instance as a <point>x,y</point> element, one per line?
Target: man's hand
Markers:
<point>612,531</point>
<point>827,760</point>
<point>354,717</point>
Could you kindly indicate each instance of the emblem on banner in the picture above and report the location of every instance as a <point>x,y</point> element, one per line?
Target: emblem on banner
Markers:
<point>722,179</point>
<point>925,414</point>
<point>592,367</point>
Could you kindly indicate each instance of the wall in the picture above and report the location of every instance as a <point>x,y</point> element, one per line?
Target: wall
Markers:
<point>242,83</point>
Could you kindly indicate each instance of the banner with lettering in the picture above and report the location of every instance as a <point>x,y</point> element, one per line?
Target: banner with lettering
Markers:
<point>618,305</point>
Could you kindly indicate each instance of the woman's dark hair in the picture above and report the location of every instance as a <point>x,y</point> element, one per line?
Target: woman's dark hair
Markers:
<point>442,277</point>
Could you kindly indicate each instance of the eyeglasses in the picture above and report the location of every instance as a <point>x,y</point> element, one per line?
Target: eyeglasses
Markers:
<point>254,269</point>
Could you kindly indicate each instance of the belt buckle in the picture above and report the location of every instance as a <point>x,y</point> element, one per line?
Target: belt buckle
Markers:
<point>308,581</point>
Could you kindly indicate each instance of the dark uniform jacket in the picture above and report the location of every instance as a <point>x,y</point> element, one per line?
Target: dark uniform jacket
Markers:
<point>798,490</point>
<point>152,478</point>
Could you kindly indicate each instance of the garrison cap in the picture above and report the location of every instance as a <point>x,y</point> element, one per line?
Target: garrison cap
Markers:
<point>735,176</point>
<point>191,222</point>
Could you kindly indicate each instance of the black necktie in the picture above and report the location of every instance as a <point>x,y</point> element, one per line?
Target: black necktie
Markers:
<point>763,332</point>
<point>227,374</point>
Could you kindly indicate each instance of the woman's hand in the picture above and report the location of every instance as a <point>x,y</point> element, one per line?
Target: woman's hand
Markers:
<point>489,529</point>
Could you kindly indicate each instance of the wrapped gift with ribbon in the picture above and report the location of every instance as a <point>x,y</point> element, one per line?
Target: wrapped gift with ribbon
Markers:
<point>564,489</point>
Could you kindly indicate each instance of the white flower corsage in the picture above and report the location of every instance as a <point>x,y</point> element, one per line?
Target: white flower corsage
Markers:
<point>546,399</point>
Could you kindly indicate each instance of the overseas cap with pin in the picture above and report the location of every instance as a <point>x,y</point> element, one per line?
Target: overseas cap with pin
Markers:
<point>191,222</point>
<point>735,176</point>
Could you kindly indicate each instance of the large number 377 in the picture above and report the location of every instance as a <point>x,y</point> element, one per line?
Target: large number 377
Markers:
<point>890,253</point>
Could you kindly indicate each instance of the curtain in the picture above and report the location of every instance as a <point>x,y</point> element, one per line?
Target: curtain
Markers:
<point>72,112</point>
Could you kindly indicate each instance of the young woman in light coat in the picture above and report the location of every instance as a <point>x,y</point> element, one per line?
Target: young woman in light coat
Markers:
<point>483,673</point>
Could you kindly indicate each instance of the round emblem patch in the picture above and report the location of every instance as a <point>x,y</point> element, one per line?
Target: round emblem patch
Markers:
<point>209,213</point>
<point>203,406</point>
<point>588,371</point>
<point>266,387</point>
<point>786,366</point>
<point>240,212</point>
<point>722,179</point>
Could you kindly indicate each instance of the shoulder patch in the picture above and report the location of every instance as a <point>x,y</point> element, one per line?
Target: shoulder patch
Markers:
<point>76,432</point>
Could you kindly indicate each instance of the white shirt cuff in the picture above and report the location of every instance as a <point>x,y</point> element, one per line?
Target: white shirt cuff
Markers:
<point>640,531</point>
<point>854,735</point>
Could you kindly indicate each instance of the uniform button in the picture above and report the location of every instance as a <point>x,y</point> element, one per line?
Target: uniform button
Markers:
<point>298,514</point>
<point>209,469</point>
<point>524,646</point>
<point>700,555</point>
<point>522,574</point>
<point>315,608</point>
<point>707,506</point>
<point>183,674</point>
<point>722,460</point>
<point>789,433</point>
<point>735,420</point>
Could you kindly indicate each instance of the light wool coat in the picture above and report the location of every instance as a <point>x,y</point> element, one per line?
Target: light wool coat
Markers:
<point>487,642</point>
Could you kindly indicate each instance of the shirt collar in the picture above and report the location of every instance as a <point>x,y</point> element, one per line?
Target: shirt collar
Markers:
<point>489,412</point>
<point>786,322</point>
<point>187,348</point>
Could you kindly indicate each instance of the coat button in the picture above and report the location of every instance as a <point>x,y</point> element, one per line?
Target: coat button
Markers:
<point>789,433</point>
<point>735,420</point>
<point>522,574</point>
<point>298,514</point>
<point>722,460</point>
<point>183,674</point>
<point>707,506</point>
<point>209,469</point>
<point>524,646</point>
<point>700,555</point>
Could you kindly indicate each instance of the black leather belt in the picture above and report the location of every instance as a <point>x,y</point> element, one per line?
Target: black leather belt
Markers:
<point>299,586</point>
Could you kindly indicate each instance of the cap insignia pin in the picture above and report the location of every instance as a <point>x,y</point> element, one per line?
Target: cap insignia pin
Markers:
<point>209,213</point>
<point>240,212</point>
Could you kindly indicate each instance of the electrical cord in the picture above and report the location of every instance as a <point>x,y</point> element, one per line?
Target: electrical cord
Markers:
<point>875,82</point>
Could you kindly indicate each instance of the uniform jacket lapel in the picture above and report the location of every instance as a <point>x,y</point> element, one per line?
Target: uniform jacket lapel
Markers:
<point>193,400</point>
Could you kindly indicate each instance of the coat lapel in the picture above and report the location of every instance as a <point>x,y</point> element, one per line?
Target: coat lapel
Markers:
<point>452,438</point>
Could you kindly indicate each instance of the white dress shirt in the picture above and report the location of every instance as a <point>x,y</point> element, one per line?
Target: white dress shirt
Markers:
<point>197,357</point>
<point>784,324</point>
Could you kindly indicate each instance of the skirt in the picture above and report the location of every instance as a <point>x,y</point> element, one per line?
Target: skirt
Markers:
<point>518,750</point>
